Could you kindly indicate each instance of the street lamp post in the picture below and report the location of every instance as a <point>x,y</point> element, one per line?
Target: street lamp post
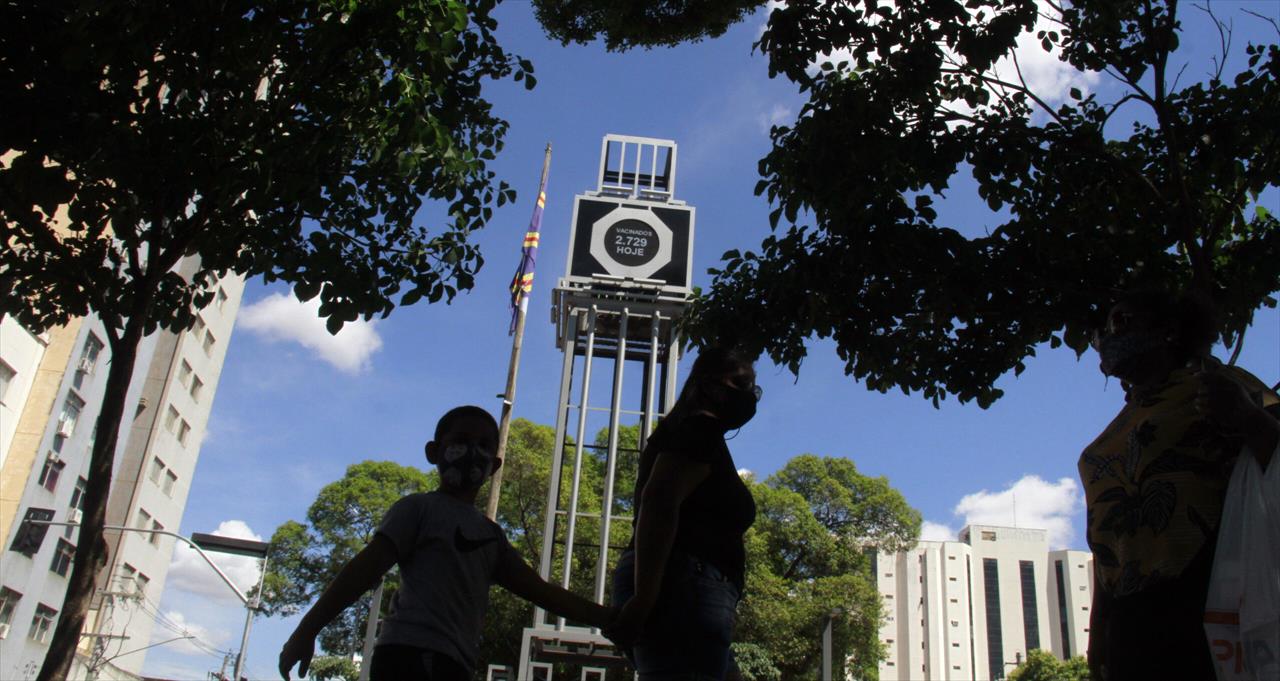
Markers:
<point>827,643</point>
<point>198,542</point>
<point>241,547</point>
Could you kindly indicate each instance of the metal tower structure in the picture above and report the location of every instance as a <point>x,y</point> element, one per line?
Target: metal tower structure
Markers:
<point>616,312</point>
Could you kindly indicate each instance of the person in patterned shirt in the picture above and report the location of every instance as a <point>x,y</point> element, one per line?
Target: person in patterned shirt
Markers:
<point>1155,481</point>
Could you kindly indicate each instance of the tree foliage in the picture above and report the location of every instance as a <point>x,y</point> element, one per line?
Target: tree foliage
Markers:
<point>625,24</point>
<point>333,668</point>
<point>305,557</point>
<point>1154,179</point>
<point>816,520</point>
<point>297,141</point>
<point>521,512</point>
<point>1041,665</point>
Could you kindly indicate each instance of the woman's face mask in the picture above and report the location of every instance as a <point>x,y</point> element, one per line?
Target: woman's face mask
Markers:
<point>1122,354</point>
<point>1130,341</point>
<point>465,465</point>
<point>737,406</point>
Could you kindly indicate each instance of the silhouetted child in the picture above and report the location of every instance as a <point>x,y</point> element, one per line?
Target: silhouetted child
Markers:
<point>449,553</point>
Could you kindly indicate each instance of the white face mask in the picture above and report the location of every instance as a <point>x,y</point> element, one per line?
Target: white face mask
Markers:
<point>465,465</point>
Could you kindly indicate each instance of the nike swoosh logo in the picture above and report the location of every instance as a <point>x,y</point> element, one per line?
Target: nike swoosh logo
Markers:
<point>468,545</point>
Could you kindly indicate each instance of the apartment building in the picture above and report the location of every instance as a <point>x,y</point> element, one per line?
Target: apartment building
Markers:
<point>971,609</point>
<point>53,389</point>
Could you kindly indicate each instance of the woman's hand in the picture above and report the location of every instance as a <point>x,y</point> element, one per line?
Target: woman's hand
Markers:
<point>625,627</point>
<point>299,649</point>
<point>1226,404</point>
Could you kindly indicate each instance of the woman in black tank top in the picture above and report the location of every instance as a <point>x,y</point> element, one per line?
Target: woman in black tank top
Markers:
<point>679,582</point>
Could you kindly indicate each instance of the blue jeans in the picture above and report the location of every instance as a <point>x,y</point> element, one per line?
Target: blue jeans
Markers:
<point>686,637</point>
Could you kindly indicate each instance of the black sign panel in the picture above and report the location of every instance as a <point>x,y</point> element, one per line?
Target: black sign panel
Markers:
<point>627,238</point>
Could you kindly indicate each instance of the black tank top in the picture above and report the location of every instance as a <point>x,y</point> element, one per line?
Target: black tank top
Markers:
<point>716,515</point>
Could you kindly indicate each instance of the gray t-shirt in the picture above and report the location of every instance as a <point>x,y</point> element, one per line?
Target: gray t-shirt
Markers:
<point>447,552</point>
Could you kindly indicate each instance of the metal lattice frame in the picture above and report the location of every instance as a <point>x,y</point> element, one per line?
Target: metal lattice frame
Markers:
<point>621,324</point>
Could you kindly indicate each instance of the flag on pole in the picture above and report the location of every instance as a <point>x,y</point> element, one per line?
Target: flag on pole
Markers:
<point>522,282</point>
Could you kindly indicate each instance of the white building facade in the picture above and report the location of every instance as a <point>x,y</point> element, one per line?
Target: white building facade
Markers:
<point>972,609</point>
<point>166,415</point>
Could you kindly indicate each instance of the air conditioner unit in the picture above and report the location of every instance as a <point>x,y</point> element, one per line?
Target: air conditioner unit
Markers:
<point>4,631</point>
<point>74,515</point>
<point>65,427</point>
<point>85,366</point>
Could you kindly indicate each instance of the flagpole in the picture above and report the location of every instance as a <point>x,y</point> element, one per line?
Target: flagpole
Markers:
<point>513,369</point>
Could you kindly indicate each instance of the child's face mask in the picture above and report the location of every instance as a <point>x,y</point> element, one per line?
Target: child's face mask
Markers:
<point>465,465</point>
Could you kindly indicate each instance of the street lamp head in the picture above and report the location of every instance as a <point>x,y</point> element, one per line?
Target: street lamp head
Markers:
<point>242,547</point>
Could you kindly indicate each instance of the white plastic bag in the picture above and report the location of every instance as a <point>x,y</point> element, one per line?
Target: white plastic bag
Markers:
<point>1242,613</point>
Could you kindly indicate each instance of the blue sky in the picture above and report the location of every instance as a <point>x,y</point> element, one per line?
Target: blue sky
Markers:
<point>294,407</point>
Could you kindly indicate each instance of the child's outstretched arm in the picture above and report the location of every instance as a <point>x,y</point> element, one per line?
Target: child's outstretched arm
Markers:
<point>514,575</point>
<point>359,575</point>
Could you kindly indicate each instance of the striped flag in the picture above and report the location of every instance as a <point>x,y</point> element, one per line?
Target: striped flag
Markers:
<point>522,282</point>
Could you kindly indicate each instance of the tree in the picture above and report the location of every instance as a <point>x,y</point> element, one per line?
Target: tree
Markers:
<point>305,557</point>
<point>1153,181</point>
<point>816,520</point>
<point>296,141</point>
<point>1041,665</point>
<point>333,668</point>
<point>522,513</point>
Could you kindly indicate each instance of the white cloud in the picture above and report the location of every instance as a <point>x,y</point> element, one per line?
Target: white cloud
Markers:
<point>189,572</point>
<point>205,638</point>
<point>1044,72</point>
<point>779,113</point>
<point>1031,502</point>
<point>280,317</point>
<point>931,531</point>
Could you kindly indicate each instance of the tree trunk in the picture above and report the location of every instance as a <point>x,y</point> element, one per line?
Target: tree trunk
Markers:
<point>91,548</point>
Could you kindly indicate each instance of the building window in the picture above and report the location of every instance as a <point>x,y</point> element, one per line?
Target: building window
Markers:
<point>1062,609</point>
<point>988,535</point>
<point>208,344</point>
<point>171,420</point>
<point>140,584</point>
<point>6,377</point>
<point>197,327</point>
<point>62,557</point>
<point>143,520</point>
<point>169,481</point>
<point>128,577</point>
<point>67,419</point>
<point>8,603</point>
<point>157,469</point>
<point>183,431</point>
<point>995,636</point>
<point>184,373</point>
<point>155,537</point>
<point>1030,623</point>
<point>41,623</point>
<point>220,298</point>
<point>196,386</point>
<point>955,600</point>
<point>50,473</point>
<point>88,360</point>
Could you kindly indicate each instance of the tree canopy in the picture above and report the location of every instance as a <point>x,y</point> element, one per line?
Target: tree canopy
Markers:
<point>816,520</point>
<point>306,556</point>
<point>149,149</point>
<point>1041,665</point>
<point>1152,178</point>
